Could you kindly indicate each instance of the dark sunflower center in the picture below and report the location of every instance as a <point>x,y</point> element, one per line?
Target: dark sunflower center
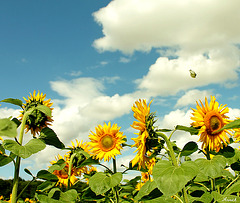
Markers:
<point>215,123</point>
<point>107,142</point>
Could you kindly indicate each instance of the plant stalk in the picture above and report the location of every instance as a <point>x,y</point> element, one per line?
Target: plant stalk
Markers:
<point>70,170</point>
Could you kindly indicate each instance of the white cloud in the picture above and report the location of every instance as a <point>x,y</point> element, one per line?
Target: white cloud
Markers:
<point>124,60</point>
<point>192,96</point>
<point>130,25</point>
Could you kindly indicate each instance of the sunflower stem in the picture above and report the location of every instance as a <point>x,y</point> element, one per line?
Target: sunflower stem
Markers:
<point>70,170</point>
<point>114,166</point>
<point>18,160</point>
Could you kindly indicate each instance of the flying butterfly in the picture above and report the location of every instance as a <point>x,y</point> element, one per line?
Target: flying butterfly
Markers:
<point>192,74</point>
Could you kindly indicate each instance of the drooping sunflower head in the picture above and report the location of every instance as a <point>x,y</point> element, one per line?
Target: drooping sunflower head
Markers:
<point>106,143</point>
<point>63,173</point>
<point>210,119</point>
<point>37,120</point>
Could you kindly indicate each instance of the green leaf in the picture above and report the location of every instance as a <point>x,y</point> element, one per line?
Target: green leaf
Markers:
<point>32,147</point>
<point>69,196</point>
<point>45,109</point>
<point>46,175</point>
<point>8,128</point>
<point>171,179</point>
<point>13,101</point>
<point>59,165</point>
<point>189,148</point>
<point>225,198</point>
<point>4,159</point>
<point>227,152</point>
<point>28,172</point>
<point>232,125</point>
<point>235,187</point>
<point>89,161</point>
<point>212,168</point>
<point>49,137</point>
<point>236,166</point>
<point>146,189</point>
<point>46,186</point>
<point>191,130</point>
<point>101,183</point>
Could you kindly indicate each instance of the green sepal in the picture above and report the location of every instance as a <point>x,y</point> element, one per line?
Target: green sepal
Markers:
<point>32,147</point>
<point>44,109</point>
<point>8,127</point>
<point>49,137</point>
<point>17,102</point>
<point>191,130</point>
<point>189,148</point>
<point>172,179</point>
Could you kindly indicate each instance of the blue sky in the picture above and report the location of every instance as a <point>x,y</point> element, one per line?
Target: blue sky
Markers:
<point>95,58</point>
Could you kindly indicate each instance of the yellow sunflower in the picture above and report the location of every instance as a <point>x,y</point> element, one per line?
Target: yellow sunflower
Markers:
<point>37,120</point>
<point>211,118</point>
<point>141,112</point>
<point>106,143</point>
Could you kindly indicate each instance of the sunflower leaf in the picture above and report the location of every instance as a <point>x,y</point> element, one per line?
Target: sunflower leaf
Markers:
<point>171,179</point>
<point>191,130</point>
<point>8,128</point>
<point>189,148</point>
<point>4,159</point>
<point>13,101</point>
<point>212,168</point>
<point>146,189</point>
<point>32,147</point>
<point>49,137</point>
<point>59,165</point>
<point>232,125</point>
<point>46,175</point>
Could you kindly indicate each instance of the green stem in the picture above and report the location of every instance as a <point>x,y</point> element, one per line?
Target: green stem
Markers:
<point>230,184</point>
<point>26,187</point>
<point>18,160</point>
<point>171,134</point>
<point>70,170</point>
<point>115,188</point>
<point>114,166</point>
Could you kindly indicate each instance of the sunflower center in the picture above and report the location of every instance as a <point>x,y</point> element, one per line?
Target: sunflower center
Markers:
<point>107,142</point>
<point>215,123</point>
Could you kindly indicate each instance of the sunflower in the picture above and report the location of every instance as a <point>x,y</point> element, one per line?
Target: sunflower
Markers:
<point>210,119</point>
<point>106,143</point>
<point>37,120</point>
<point>63,173</point>
<point>141,112</point>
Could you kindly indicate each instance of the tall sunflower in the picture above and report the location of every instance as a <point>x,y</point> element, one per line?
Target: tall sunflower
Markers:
<point>106,143</point>
<point>37,120</point>
<point>211,118</point>
<point>141,112</point>
<point>63,174</point>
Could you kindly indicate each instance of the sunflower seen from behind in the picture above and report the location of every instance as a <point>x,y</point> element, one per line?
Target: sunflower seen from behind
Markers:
<point>141,112</point>
<point>106,142</point>
<point>37,120</point>
<point>210,118</point>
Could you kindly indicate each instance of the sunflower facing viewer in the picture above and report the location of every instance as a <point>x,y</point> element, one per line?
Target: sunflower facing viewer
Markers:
<point>37,120</point>
<point>106,143</point>
<point>211,118</point>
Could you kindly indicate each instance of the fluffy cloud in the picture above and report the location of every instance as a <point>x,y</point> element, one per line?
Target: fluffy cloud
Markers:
<point>192,96</point>
<point>130,25</point>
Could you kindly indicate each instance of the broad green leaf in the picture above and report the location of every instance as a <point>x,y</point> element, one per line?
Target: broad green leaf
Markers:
<point>8,128</point>
<point>232,125</point>
<point>227,152</point>
<point>191,130</point>
<point>13,101</point>
<point>146,189</point>
<point>189,148</point>
<point>69,196</point>
<point>236,166</point>
<point>171,179</point>
<point>46,175</point>
<point>235,187</point>
<point>32,147</point>
<point>205,198</point>
<point>59,165</point>
<point>46,199</point>
<point>89,161</point>
<point>101,183</point>
<point>235,158</point>
<point>46,186</point>
<point>4,159</point>
<point>224,198</point>
<point>212,168</point>
<point>49,137</point>
<point>45,109</point>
